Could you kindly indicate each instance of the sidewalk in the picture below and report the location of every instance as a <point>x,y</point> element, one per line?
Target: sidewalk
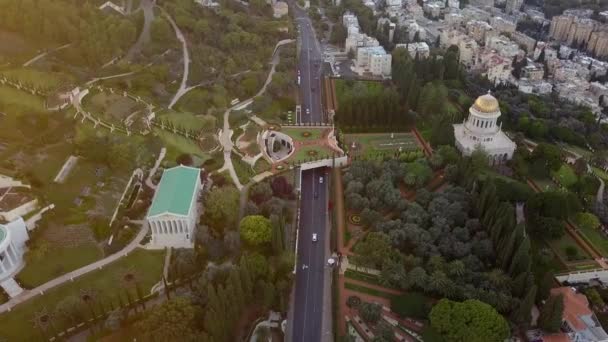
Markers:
<point>29,294</point>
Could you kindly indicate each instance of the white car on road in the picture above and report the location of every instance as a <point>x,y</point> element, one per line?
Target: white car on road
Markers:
<point>314,237</point>
<point>321,180</point>
<point>307,111</point>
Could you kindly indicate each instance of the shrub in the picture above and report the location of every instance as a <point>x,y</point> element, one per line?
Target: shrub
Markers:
<point>571,252</point>
<point>353,302</point>
<point>411,304</point>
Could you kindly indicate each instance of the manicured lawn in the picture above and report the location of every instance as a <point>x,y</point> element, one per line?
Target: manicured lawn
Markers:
<point>176,145</point>
<point>579,150</point>
<point>367,290</point>
<point>411,304</point>
<point>545,184</point>
<point>601,173</point>
<point>20,102</point>
<point>368,278</point>
<point>56,262</point>
<point>112,106</point>
<point>372,143</point>
<point>39,79</point>
<point>560,245</point>
<point>566,176</point>
<point>596,237</point>
<point>261,166</point>
<point>106,284</point>
<point>298,133</point>
<point>242,169</point>
<point>186,120</point>
<point>304,154</point>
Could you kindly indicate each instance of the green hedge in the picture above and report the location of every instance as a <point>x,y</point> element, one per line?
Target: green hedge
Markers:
<point>411,304</point>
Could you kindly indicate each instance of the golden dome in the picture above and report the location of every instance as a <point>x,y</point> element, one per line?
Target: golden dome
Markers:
<point>486,104</point>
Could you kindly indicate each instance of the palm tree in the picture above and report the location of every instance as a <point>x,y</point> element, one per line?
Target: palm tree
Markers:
<point>497,278</point>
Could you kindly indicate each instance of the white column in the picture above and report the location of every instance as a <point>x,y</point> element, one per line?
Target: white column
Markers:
<point>12,254</point>
<point>2,266</point>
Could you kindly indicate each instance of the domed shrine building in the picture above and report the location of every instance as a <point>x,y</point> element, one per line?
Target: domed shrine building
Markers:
<point>480,130</point>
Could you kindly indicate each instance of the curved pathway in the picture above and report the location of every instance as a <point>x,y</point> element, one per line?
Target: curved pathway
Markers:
<point>180,36</point>
<point>31,61</point>
<point>29,294</point>
<point>225,136</point>
<point>599,197</point>
<point>148,7</point>
<point>160,158</point>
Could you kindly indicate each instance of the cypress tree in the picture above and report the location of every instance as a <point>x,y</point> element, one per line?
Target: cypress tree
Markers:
<point>550,318</point>
<point>519,284</point>
<point>490,211</point>
<point>235,280</point>
<point>545,286</point>
<point>521,259</point>
<point>522,314</point>
<point>497,230</point>
<point>246,282</point>
<point>507,248</point>
<point>488,191</point>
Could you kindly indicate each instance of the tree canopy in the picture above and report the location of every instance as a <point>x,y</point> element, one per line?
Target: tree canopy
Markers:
<point>470,320</point>
<point>256,229</point>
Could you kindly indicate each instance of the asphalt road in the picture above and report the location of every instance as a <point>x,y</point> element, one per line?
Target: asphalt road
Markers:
<point>307,322</point>
<point>309,66</point>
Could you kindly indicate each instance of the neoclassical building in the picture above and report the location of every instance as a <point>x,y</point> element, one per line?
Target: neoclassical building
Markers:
<point>13,236</point>
<point>480,130</point>
<point>173,214</point>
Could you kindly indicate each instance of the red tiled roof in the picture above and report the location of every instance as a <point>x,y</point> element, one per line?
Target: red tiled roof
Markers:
<point>575,306</point>
<point>556,338</point>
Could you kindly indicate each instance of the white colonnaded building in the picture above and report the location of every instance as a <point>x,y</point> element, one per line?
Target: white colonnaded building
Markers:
<point>480,130</point>
<point>173,214</point>
<point>13,236</point>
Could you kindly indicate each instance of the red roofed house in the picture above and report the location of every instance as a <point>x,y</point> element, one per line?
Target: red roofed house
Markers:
<point>579,322</point>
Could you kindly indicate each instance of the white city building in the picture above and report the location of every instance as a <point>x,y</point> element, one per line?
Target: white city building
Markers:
<point>374,60</point>
<point>173,214</point>
<point>480,130</point>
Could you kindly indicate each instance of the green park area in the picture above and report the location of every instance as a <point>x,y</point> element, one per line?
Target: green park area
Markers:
<point>177,145</point>
<point>597,239</point>
<point>114,107</point>
<point>58,262</point>
<point>568,249</point>
<point>311,153</point>
<point>368,145</point>
<point>566,176</point>
<point>544,183</point>
<point>600,173</point>
<point>19,102</point>
<point>43,80</point>
<point>141,268</point>
<point>303,134</point>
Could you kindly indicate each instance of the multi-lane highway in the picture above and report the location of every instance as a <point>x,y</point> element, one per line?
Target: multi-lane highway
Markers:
<point>311,319</point>
<point>307,325</point>
<point>309,68</point>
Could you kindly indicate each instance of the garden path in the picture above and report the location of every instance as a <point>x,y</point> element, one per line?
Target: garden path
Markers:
<point>225,135</point>
<point>148,7</point>
<point>186,59</point>
<point>29,294</point>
